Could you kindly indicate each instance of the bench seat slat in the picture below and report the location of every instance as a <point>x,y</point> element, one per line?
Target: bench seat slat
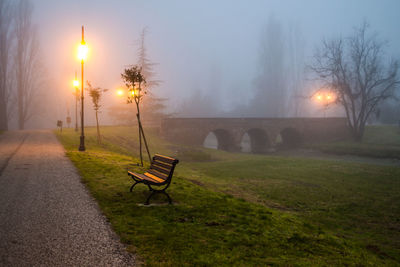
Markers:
<point>154,177</point>
<point>162,164</point>
<point>158,174</point>
<point>164,159</point>
<point>154,180</point>
<point>161,170</point>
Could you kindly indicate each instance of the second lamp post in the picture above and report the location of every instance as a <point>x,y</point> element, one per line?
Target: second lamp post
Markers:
<point>76,86</point>
<point>82,53</point>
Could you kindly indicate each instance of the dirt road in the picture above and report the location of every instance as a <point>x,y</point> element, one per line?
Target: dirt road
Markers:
<point>47,216</point>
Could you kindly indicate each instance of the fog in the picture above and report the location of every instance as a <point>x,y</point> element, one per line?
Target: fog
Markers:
<point>213,57</point>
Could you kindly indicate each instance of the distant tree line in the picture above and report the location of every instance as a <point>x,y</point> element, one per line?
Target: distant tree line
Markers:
<point>357,69</point>
<point>277,87</point>
<point>21,70</point>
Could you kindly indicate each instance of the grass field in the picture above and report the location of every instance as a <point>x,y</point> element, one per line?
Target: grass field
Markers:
<point>378,141</point>
<point>243,209</point>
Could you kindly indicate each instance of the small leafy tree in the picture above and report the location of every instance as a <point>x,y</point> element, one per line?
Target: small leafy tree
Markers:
<point>96,93</point>
<point>134,80</point>
<point>152,109</point>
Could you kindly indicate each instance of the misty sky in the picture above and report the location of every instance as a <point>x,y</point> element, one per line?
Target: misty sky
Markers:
<point>190,39</point>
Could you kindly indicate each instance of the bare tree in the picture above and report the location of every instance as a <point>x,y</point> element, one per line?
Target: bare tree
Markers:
<point>27,62</point>
<point>5,75</point>
<point>357,69</point>
<point>96,93</point>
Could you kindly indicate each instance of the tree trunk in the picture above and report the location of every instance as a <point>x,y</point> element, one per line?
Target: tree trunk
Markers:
<point>358,133</point>
<point>21,122</point>
<point>140,132</point>
<point>145,142</point>
<point>3,115</point>
<point>98,129</point>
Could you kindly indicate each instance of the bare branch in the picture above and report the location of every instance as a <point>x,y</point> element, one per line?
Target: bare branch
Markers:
<point>354,68</point>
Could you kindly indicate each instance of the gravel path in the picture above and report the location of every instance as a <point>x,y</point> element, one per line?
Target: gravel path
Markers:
<point>47,217</point>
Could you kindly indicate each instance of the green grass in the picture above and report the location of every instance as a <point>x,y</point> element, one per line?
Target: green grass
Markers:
<point>244,210</point>
<point>378,141</point>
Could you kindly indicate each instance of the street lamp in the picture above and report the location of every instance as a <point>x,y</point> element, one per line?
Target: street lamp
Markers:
<point>120,92</point>
<point>325,98</point>
<point>76,85</point>
<point>82,53</point>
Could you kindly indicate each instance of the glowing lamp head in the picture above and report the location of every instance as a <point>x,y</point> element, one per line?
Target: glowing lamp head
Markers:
<point>135,92</point>
<point>319,97</point>
<point>328,97</point>
<point>76,83</point>
<point>82,51</point>
<point>120,92</point>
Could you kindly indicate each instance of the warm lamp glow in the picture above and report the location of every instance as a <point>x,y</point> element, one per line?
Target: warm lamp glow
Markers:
<point>135,92</point>
<point>76,83</point>
<point>120,92</point>
<point>325,97</point>
<point>82,51</point>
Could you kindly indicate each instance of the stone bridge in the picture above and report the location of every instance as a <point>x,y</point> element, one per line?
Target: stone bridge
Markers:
<point>262,133</point>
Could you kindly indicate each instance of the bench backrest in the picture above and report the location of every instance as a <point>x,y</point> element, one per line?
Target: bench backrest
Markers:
<point>163,167</point>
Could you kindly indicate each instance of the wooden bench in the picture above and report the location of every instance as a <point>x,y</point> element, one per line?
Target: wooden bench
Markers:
<point>159,174</point>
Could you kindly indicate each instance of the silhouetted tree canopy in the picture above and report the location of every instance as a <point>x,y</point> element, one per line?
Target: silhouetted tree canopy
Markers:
<point>357,69</point>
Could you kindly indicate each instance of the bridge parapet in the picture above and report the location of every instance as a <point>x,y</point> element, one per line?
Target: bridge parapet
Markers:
<point>230,131</point>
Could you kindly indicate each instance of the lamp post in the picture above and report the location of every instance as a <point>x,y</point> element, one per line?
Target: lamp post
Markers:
<point>82,52</point>
<point>76,85</point>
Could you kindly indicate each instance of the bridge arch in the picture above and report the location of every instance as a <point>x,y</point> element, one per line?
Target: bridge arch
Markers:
<point>290,138</point>
<point>219,139</point>
<point>193,131</point>
<point>255,140</point>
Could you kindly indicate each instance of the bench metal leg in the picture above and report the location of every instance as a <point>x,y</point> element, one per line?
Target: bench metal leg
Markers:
<point>169,199</point>
<point>133,186</point>
<point>155,192</point>
<point>148,198</point>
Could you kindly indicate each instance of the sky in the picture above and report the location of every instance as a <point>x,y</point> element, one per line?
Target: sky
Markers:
<point>189,39</point>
